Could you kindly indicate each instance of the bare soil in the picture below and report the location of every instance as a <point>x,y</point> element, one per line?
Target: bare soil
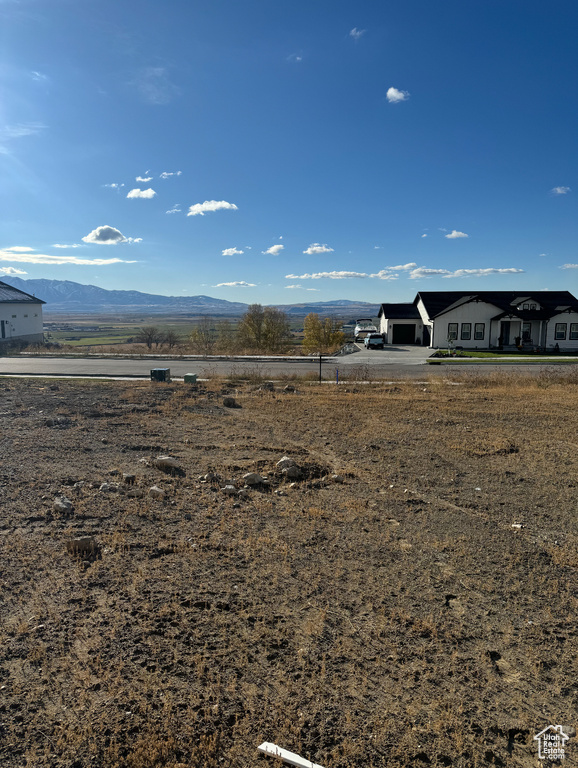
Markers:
<point>392,616</point>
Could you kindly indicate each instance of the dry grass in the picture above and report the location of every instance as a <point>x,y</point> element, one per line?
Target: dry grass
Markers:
<point>393,619</point>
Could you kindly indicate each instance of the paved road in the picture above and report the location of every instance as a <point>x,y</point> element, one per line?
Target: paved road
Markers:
<point>396,362</point>
<point>203,368</point>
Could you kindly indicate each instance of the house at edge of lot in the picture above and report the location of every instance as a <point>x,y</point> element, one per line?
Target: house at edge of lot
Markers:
<point>484,320</point>
<point>20,316</point>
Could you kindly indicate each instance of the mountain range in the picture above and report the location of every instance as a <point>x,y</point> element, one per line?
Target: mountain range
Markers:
<point>65,296</point>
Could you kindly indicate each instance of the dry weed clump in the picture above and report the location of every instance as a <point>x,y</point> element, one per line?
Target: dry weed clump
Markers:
<point>394,618</point>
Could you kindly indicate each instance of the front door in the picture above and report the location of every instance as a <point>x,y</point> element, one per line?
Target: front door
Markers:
<point>505,332</point>
<point>2,328</point>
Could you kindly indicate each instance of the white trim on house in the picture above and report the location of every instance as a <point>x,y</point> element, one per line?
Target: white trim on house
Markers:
<point>487,320</point>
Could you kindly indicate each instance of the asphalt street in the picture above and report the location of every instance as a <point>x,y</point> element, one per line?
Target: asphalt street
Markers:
<point>395,362</point>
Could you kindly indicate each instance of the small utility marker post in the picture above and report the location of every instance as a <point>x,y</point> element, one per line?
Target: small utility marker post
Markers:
<point>288,757</point>
<point>320,360</point>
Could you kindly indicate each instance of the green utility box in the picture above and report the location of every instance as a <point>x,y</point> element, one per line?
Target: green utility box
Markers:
<point>160,374</point>
<point>190,378</point>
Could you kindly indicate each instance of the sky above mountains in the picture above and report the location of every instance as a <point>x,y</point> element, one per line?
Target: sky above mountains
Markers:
<point>282,151</point>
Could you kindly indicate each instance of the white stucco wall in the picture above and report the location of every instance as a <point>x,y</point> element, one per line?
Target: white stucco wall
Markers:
<point>22,322</point>
<point>422,310</point>
<point>473,312</point>
<point>565,317</point>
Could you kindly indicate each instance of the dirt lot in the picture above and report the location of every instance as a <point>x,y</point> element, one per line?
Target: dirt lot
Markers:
<point>390,616</point>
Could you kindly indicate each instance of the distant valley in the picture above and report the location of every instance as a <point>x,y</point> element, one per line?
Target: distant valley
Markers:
<point>66,296</point>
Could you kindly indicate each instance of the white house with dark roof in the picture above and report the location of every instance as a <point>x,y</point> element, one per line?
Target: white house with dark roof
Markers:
<point>20,316</point>
<point>484,320</point>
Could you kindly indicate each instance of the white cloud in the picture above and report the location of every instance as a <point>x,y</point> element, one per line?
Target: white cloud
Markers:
<point>167,174</point>
<point>199,209</point>
<point>114,185</point>
<point>295,58</point>
<point>300,287</point>
<point>422,272</point>
<point>274,250</point>
<point>145,193</point>
<point>12,271</point>
<point>560,190</point>
<point>316,248</point>
<point>454,234</point>
<point>29,256</point>
<point>20,249</point>
<point>175,209</point>
<point>331,275</point>
<point>356,34</point>
<point>384,274</point>
<point>403,267</point>
<point>483,272</point>
<point>569,266</point>
<point>394,96</point>
<point>144,179</point>
<point>21,129</point>
<point>39,77</point>
<point>232,252</point>
<point>105,235</point>
<point>236,284</point>
<point>424,235</point>
<point>60,245</point>
<point>155,86</point>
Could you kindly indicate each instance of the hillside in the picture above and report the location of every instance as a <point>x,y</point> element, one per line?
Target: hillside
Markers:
<point>70,297</point>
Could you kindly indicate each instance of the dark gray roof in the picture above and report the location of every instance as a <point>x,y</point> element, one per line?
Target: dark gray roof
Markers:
<point>438,302</point>
<point>400,311</point>
<point>13,295</point>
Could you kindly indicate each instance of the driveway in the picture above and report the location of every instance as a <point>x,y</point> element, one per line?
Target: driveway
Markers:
<point>413,355</point>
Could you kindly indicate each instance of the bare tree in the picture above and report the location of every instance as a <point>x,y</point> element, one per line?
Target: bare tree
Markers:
<point>149,335</point>
<point>227,339</point>
<point>204,337</point>
<point>171,338</point>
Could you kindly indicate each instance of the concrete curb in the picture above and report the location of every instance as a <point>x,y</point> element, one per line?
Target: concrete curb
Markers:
<point>480,361</point>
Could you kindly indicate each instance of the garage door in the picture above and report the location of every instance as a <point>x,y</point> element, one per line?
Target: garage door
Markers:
<point>403,333</point>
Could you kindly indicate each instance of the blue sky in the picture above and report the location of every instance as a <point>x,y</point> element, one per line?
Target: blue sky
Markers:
<point>281,151</point>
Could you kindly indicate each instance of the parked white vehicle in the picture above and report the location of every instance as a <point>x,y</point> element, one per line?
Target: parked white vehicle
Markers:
<point>373,341</point>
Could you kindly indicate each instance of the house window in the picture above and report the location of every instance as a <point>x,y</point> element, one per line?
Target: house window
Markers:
<point>573,331</point>
<point>466,331</point>
<point>560,331</point>
<point>532,306</point>
<point>479,331</point>
<point>25,315</point>
<point>526,331</point>
<point>13,316</point>
<point>526,306</point>
<point>452,331</point>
